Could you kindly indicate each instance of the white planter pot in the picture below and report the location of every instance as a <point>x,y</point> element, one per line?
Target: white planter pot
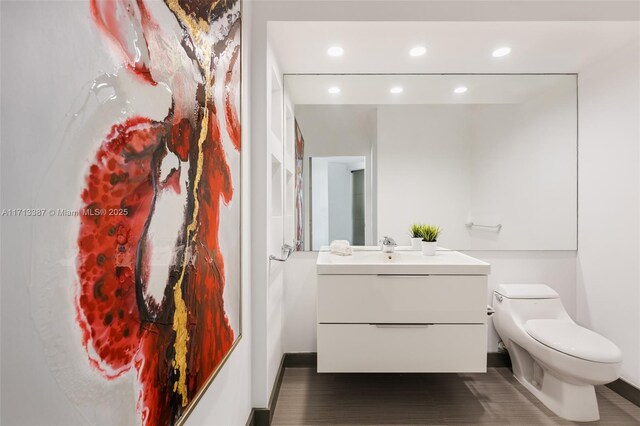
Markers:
<point>429,248</point>
<point>415,243</point>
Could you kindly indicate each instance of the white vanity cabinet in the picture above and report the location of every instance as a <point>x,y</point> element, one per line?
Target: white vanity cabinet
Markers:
<point>402,313</point>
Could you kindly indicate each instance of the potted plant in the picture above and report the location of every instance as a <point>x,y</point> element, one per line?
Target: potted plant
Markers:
<point>429,234</point>
<point>416,239</point>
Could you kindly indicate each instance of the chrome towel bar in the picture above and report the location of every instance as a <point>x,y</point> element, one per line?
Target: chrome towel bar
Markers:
<point>477,225</point>
<point>285,252</point>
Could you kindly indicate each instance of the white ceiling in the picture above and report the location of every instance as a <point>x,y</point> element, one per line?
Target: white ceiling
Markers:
<point>420,89</point>
<point>453,47</point>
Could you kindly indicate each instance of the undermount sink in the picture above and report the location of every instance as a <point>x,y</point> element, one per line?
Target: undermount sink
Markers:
<point>401,262</point>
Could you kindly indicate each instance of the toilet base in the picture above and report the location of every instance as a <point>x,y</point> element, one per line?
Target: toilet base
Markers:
<point>577,403</point>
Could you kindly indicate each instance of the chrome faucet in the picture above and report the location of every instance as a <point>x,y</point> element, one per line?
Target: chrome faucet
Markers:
<point>388,244</point>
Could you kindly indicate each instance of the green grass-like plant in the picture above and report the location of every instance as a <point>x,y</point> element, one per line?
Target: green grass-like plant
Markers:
<point>428,233</point>
<point>415,230</point>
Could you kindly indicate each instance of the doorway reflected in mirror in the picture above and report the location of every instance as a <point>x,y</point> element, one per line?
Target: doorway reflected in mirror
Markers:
<point>337,188</point>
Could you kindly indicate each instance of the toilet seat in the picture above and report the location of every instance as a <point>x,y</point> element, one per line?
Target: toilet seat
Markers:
<point>571,339</point>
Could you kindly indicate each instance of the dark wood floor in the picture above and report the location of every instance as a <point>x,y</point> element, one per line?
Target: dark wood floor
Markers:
<point>495,398</point>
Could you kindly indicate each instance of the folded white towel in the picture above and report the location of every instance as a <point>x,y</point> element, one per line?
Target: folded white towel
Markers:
<point>341,247</point>
<point>342,251</point>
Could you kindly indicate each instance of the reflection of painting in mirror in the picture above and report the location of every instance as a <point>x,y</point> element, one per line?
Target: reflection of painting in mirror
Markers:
<point>299,189</point>
<point>337,200</point>
<point>156,169</point>
<point>495,166</point>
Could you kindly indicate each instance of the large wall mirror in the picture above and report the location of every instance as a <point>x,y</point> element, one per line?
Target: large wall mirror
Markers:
<point>491,159</point>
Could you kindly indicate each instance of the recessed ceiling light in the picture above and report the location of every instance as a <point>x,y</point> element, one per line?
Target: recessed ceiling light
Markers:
<point>460,89</point>
<point>501,51</point>
<point>334,90</point>
<point>418,51</point>
<point>335,51</point>
<point>396,89</point>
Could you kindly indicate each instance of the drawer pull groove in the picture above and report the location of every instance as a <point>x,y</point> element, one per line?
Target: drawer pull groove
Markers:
<point>402,325</point>
<point>403,276</point>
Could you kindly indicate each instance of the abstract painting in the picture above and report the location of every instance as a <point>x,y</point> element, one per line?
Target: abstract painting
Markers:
<point>299,153</point>
<point>156,232</point>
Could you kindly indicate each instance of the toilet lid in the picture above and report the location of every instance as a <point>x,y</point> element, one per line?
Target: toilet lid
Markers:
<point>571,339</point>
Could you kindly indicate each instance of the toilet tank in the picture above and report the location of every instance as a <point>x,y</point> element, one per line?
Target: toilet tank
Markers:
<point>527,291</point>
<point>522,302</point>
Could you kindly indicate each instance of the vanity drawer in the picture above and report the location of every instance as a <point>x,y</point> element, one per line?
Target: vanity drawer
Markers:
<point>402,299</point>
<point>394,348</point>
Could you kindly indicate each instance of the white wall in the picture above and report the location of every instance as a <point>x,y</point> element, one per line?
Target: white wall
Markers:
<point>300,302</point>
<point>319,204</point>
<point>608,289</point>
<point>268,285</point>
<point>340,196</point>
<point>336,130</point>
<point>511,164</point>
<point>27,124</point>
<point>41,44</point>
<point>525,173</point>
<point>424,170</point>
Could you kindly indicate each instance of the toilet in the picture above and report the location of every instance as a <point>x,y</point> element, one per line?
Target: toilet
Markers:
<point>554,358</point>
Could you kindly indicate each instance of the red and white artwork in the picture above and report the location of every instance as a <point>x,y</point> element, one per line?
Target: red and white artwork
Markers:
<point>153,249</point>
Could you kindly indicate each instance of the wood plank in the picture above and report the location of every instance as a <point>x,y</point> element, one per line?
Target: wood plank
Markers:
<point>496,398</point>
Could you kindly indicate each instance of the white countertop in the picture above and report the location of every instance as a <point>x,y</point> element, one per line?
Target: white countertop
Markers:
<point>372,261</point>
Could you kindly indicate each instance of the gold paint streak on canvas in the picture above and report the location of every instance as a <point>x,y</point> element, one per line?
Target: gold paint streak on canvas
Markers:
<point>180,344</point>
<point>197,28</point>
<point>195,25</point>
<point>214,4</point>
<point>180,313</point>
